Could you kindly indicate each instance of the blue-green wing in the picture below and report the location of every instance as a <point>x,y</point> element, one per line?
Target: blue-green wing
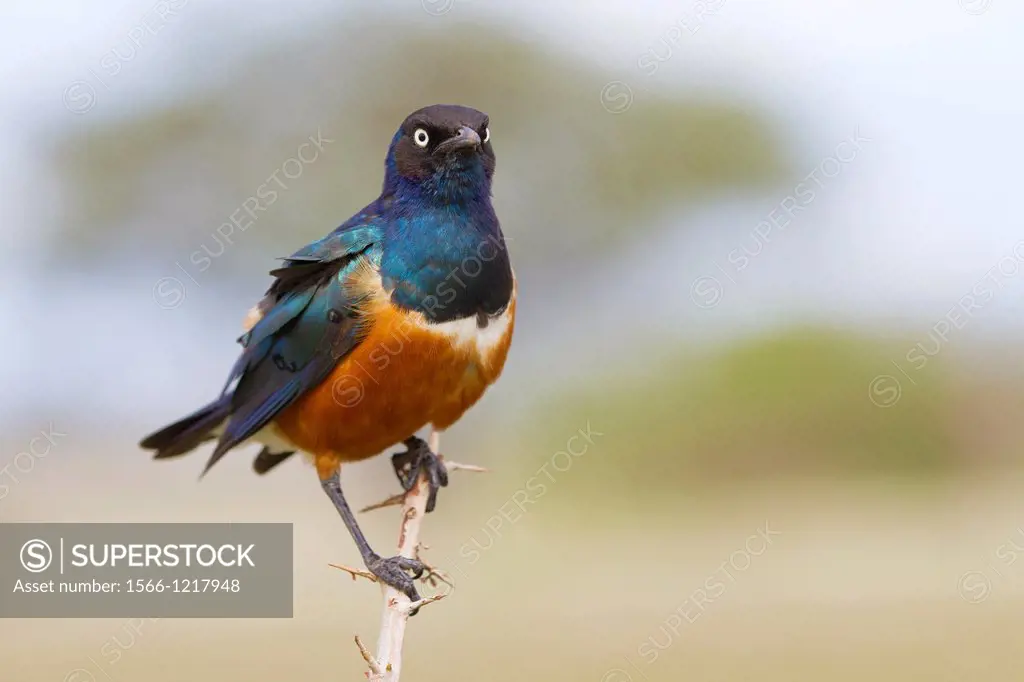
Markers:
<point>311,323</point>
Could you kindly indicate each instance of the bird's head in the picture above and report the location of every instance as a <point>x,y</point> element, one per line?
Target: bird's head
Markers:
<point>442,151</point>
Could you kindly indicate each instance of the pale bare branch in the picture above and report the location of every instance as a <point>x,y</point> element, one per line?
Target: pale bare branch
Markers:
<point>386,665</point>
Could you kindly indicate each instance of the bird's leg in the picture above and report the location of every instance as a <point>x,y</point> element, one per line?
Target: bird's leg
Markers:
<point>416,458</point>
<point>392,570</point>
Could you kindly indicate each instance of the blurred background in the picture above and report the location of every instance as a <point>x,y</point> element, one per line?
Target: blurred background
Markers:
<point>769,260</point>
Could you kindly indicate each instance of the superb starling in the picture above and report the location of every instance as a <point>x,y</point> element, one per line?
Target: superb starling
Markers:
<point>399,319</point>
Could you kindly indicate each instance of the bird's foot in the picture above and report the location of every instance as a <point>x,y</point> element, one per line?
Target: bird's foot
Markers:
<point>392,571</point>
<point>419,458</point>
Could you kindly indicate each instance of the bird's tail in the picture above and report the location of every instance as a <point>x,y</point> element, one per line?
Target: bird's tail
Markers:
<point>189,432</point>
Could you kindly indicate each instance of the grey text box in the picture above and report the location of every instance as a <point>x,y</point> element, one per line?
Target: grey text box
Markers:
<point>153,570</point>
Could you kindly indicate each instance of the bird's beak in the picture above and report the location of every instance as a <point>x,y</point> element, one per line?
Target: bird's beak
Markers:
<point>466,139</point>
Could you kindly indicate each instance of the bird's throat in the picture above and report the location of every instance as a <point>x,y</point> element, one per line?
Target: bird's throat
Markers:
<point>449,264</point>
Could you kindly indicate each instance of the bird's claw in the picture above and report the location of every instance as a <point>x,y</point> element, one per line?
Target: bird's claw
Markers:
<point>392,571</point>
<point>419,457</point>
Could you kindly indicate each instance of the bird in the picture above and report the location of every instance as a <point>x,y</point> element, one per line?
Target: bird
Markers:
<point>399,319</point>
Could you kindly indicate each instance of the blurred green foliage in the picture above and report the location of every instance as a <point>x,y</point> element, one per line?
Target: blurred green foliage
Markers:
<point>572,177</point>
<point>790,404</point>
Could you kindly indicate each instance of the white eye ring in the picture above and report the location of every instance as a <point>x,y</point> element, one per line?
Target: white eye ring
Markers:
<point>487,134</point>
<point>420,137</point>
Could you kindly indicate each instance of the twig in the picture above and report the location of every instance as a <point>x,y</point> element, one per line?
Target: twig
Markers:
<point>355,572</point>
<point>389,502</point>
<point>368,657</point>
<point>386,666</point>
<point>457,466</point>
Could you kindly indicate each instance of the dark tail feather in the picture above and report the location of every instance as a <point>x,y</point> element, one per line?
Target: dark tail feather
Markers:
<point>190,432</point>
<point>267,460</point>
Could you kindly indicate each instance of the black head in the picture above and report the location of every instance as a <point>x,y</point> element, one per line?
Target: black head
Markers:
<point>444,147</point>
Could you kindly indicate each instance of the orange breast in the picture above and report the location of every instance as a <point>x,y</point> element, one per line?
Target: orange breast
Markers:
<point>404,375</point>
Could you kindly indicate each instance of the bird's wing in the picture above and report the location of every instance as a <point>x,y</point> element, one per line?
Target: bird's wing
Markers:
<point>311,321</point>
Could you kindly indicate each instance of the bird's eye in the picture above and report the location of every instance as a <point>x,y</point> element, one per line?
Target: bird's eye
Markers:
<point>487,134</point>
<point>420,137</point>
